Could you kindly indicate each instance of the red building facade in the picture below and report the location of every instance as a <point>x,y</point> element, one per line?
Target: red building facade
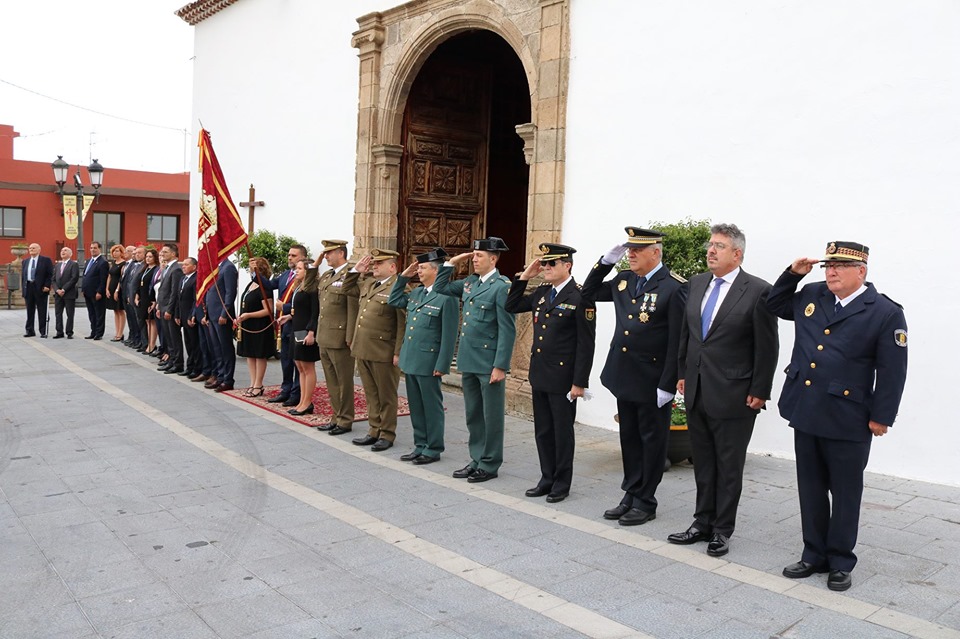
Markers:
<point>134,206</point>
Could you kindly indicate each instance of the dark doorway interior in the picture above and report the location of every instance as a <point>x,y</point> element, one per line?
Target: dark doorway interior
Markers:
<point>463,171</point>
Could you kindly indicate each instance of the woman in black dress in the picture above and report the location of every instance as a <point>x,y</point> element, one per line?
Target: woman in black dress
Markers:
<point>145,300</point>
<point>114,301</point>
<point>305,313</point>
<point>256,341</point>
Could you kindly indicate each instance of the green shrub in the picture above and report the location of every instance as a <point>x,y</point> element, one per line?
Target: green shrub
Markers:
<point>683,251</point>
<point>268,245</point>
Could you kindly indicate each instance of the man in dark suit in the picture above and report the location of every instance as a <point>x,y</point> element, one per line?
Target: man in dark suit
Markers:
<point>843,388</point>
<point>728,352</point>
<point>641,367</point>
<point>487,336</point>
<point>221,301</point>
<point>66,275</point>
<point>564,338</point>
<point>427,352</point>
<point>168,298</point>
<point>186,319</point>
<point>94,287</point>
<point>37,277</point>
<point>129,278</point>
<point>284,285</point>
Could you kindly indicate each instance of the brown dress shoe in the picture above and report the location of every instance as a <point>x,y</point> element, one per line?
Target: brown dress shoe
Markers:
<point>223,387</point>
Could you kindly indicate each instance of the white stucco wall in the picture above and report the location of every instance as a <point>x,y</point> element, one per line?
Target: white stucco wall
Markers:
<point>276,85</point>
<point>802,122</point>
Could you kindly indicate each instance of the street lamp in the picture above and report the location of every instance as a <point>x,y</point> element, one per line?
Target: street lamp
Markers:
<point>60,170</point>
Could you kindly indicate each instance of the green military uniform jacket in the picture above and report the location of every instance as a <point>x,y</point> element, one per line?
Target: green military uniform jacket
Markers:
<point>338,311</point>
<point>431,331</point>
<point>378,332</point>
<point>487,330</point>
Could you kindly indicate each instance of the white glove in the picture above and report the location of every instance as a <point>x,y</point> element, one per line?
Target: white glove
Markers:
<point>587,395</point>
<point>663,397</point>
<point>613,255</point>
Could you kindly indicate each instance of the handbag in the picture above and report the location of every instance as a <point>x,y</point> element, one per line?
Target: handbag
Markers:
<point>299,336</point>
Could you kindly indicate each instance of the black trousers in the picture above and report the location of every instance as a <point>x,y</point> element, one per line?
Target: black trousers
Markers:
<point>228,353</point>
<point>644,434</point>
<point>553,417</point>
<point>290,387</point>
<point>830,473</point>
<point>719,452</point>
<point>191,349</point>
<point>36,307</point>
<point>133,324</point>
<point>174,342</point>
<point>61,304</point>
<point>96,313</point>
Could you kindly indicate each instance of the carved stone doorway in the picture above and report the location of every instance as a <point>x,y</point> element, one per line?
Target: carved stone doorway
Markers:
<point>463,174</point>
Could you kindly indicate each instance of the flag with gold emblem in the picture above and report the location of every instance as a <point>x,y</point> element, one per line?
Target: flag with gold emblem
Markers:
<point>220,231</point>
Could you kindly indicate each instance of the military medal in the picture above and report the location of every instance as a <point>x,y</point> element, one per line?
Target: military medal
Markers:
<point>808,311</point>
<point>646,298</point>
<point>622,286</point>
<point>542,300</point>
<point>653,302</point>
<point>643,317</point>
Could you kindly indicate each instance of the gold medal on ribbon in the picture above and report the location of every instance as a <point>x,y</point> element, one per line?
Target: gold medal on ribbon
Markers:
<point>643,317</point>
<point>808,311</point>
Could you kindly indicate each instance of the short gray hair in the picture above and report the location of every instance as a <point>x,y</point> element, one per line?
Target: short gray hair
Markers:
<point>737,238</point>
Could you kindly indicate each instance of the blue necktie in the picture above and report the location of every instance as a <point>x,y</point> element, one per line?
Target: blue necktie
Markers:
<point>89,264</point>
<point>640,282</point>
<point>837,308</point>
<point>33,268</point>
<point>707,316</point>
<point>553,294</point>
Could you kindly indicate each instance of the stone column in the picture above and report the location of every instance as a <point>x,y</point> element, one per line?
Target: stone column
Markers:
<point>369,40</point>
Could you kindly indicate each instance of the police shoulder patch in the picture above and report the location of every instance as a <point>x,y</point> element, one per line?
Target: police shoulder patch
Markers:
<point>900,337</point>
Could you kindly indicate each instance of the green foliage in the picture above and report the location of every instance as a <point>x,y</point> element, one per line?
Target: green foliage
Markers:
<point>268,245</point>
<point>678,412</point>
<point>683,251</point>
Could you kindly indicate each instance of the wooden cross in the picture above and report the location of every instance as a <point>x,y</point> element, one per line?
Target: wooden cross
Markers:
<point>251,207</point>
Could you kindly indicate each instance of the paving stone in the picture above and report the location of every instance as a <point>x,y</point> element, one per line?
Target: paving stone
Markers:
<point>925,599</point>
<point>43,619</point>
<point>756,606</point>
<point>139,603</point>
<point>178,624</point>
<point>246,615</point>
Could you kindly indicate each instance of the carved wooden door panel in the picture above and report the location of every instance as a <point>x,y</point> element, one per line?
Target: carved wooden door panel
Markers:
<point>444,166</point>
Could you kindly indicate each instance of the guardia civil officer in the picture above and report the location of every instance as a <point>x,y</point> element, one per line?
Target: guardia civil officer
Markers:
<point>843,388</point>
<point>641,367</point>
<point>427,351</point>
<point>487,334</point>
<point>561,356</point>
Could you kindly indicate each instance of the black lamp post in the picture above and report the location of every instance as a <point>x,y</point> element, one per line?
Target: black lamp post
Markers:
<point>60,170</point>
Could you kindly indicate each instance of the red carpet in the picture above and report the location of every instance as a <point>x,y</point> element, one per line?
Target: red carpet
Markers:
<point>321,404</point>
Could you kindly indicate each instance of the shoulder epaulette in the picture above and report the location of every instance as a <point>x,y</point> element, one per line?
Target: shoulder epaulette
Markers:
<point>677,277</point>
<point>505,279</point>
<point>893,301</point>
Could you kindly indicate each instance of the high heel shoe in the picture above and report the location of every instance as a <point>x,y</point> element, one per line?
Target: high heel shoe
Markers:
<point>255,391</point>
<point>306,411</point>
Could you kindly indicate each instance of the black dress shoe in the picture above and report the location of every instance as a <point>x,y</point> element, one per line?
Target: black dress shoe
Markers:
<point>480,475</point>
<point>553,498</point>
<point>171,370</point>
<point>382,444</point>
<point>97,338</point>
<point>464,472</point>
<point>802,570</point>
<point>366,440</point>
<point>290,401</point>
<point>29,334</point>
<point>719,545</point>
<point>425,459</point>
<point>184,373</point>
<point>87,337</point>
<point>689,536</point>
<point>324,427</point>
<point>69,336</point>
<point>537,491</point>
<point>616,513</point>
<point>59,336</point>
<point>279,399</point>
<point>43,336</point>
<point>338,430</point>
<point>117,339</point>
<point>636,517</point>
<point>839,580</point>
<point>409,456</point>
<point>306,411</point>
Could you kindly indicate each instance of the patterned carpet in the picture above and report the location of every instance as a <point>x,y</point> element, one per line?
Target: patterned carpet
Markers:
<point>321,405</point>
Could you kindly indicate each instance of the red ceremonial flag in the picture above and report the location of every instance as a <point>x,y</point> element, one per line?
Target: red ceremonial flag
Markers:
<point>220,231</point>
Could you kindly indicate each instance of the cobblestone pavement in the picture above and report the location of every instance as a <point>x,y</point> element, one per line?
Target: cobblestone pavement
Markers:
<point>134,504</point>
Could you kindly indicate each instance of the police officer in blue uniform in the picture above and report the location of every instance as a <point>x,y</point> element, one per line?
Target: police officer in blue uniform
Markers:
<point>561,356</point>
<point>642,366</point>
<point>843,388</point>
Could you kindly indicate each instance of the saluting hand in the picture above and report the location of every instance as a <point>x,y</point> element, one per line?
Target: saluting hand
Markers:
<point>532,270</point>
<point>463,257</point>
<point>364,264</point>
<point>803,265</point>
<point>410,271</point>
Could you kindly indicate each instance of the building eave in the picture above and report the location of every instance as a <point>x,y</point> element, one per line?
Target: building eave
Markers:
<point>198,11</point>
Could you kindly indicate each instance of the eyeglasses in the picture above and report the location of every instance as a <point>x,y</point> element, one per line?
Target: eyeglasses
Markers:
<point>548,262</point>
<point>717,245</point>
<point>840,265</point>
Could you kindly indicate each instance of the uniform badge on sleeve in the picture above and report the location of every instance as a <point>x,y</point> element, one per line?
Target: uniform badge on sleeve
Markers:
<point>900,338</point>
<point>622,285</point>
<point>808,311</point>
<point>590,314</point>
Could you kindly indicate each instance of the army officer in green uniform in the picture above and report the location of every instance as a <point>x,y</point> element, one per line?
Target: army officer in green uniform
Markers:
<point>426,353</point>
<point>487,334</point>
